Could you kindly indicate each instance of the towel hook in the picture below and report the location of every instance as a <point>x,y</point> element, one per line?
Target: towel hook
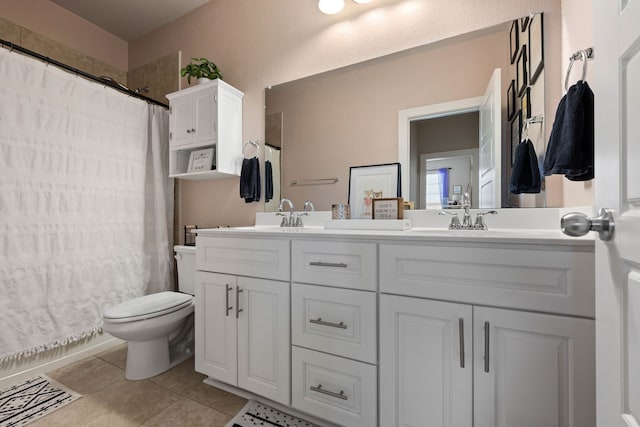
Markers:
<point>583,56</point>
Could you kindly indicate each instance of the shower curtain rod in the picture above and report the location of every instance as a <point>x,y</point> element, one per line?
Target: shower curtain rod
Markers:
<point>12,46</point>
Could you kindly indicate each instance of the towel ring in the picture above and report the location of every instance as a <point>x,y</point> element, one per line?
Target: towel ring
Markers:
<point>584,57</point>
<point>250,149</point>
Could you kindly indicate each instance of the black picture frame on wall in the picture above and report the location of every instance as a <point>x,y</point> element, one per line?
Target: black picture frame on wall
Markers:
<point>514,40</point>
<point>516,129</point>
<point>536,47</point>
<point>511,100</point>
<point>524,21</point>
<point>521,71</point>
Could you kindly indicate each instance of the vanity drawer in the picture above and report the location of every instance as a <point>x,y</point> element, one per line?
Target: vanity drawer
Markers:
<point>339,263</point>
<point>336,389</point>
<point>338,321</point>
<point>544,279</point>
<point>264,258</point>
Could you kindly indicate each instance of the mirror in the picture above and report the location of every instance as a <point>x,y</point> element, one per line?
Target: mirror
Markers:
<point>351,117</point>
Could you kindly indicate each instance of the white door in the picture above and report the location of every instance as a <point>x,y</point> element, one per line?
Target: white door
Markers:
<point>216,326</point>
<point>425,363</point>
<point>617,109</point>
<point>264,338</point>
<point>529,369</point>
<point>489,168</point>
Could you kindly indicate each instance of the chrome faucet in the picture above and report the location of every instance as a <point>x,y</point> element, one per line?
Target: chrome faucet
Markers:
<point>290,222</point>
<point>467,223</point>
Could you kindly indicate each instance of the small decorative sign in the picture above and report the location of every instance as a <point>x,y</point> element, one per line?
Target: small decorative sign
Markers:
<point>200,160</point>
<point>391,208</point>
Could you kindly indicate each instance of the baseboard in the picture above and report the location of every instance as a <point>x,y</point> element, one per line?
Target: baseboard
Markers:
<point>275,405</point>
<point>21,369</point>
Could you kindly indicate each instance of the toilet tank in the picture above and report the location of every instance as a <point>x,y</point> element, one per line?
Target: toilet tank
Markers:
<point>186,262</point>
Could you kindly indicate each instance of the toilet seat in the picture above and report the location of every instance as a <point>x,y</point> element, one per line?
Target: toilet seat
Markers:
<point>147,307</point>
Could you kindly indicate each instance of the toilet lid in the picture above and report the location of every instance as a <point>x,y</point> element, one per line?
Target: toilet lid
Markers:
<point>149,306</point>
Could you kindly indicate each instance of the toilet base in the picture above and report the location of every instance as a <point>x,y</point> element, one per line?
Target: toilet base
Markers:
<point>147,358</point>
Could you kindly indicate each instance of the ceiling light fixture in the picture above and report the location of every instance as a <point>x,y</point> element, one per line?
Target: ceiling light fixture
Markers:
<point>331,7</point>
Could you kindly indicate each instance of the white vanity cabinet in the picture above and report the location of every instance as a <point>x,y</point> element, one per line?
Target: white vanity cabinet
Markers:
<point>471,363</point>
<point>334,333</point>
<point>206,116</point>
<point>426,363</point>
<point>242,324</point>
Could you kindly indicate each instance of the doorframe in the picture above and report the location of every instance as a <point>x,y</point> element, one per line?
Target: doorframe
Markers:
<point>433,111</point>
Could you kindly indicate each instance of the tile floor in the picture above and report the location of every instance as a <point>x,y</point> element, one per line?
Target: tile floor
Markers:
<point>176,398</point>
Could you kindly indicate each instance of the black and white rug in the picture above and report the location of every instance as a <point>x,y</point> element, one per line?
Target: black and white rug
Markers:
<point>25,402</point>
<point>257,414</point>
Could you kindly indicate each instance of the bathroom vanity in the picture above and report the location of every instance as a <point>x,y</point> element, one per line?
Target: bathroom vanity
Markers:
<point>423,326</point>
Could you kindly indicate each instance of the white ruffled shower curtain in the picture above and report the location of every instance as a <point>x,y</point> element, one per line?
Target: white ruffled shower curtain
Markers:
<point>86,208</point>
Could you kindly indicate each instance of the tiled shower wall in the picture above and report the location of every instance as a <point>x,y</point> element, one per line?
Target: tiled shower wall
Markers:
<point>50,48</point>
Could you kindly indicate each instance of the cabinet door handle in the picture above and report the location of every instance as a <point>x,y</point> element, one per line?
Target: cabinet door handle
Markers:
<point>193,130</point>
<point>319,389</point>
<point>486,346</point>
<point>188,130</point>
<point>238,309</point>
<point>328,264</point>
<point>228,308</point>
<point>461,334</point>
<point>319,321</point>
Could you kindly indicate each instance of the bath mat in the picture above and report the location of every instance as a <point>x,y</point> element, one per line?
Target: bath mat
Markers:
<point>22,403</point>
<point>257,414</point>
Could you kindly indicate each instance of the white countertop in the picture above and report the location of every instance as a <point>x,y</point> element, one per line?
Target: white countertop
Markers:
<point>427,226</point>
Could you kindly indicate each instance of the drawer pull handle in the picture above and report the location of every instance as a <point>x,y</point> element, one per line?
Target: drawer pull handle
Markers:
<point>328,264</point>
<point>319,321</point>
<point>228,307</point>
<point>319,389</point>
<point>486,346</point>
<point>238,309</point>
<point>461,335</point>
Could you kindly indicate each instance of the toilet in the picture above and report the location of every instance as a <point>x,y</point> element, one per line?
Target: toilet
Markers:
<point>158,327</point>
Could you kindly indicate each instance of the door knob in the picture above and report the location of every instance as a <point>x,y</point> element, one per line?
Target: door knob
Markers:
<point>576,224</point>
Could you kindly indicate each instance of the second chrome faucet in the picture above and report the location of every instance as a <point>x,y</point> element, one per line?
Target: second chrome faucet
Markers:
<point>467,223</point>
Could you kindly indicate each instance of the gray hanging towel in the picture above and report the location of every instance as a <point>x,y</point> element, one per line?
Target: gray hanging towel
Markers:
<point>250,180</point>
<point>570,148</point>
<point>525,175</point>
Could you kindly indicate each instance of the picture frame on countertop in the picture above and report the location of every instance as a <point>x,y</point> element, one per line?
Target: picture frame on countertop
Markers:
<point>388,208</point>
<point>511,100</point>
<point>514,40</point>
<point>200,160</point>
<point>516,133</point>
<point>372,182</point>
<point>521,71</point>
<point>536,47</point>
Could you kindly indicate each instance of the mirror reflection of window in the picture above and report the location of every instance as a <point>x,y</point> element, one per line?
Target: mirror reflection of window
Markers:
<point>433,186</point>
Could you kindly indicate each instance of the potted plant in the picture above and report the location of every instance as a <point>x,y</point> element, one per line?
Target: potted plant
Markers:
<point>201,68</point>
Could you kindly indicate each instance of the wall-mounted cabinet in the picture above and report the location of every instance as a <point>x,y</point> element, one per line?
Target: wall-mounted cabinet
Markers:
<point>206,116</point>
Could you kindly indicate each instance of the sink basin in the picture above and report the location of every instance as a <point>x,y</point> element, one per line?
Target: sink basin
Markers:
<point>499,233</point>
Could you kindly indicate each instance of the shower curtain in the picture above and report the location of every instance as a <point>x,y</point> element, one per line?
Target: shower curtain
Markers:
<point>85,204</point>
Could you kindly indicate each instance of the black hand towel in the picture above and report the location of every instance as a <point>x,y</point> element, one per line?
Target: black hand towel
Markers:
<point>268,181</point>
<point>570,149</point>
<point>250,180</point>
<point>525,175</point>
